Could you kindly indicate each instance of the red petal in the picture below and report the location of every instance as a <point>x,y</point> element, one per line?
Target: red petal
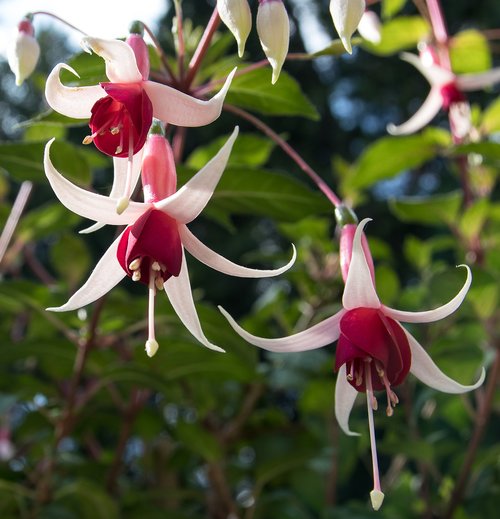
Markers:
<point>153,237</point>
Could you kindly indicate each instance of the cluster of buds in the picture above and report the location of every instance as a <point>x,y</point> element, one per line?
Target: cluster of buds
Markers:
<point>273,28</point>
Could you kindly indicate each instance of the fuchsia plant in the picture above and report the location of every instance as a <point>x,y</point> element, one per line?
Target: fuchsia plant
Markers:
<point>129,116</point>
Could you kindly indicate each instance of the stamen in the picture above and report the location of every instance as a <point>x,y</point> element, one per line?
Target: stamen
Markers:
<point>136,276</point>
<point>156,266</point>
<point>118,150</point>
<point>135,264</point>
<point>350,375</point>
<point>151,343</point>
<point>114,130</point>
<point>392,398</point>
<point>89,138</point>
<point>124,200</point>
<point>376,495</point>
<point>159,282</point>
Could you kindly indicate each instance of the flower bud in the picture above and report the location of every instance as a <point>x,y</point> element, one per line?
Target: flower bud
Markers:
<point>24,51</point>
<point>136,41</point>
<point>273,28</point>
<point>346,15</point>
<point>369,27</point>
<point>238,19</point>
<point>159,178</point>
<point>345,250</point>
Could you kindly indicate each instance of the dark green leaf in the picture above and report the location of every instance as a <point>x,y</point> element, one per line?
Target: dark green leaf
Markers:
<point>254,91</point>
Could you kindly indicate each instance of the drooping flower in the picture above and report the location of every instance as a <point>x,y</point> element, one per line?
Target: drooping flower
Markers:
<point>121,110</point>
<point>346,15</point>
<point>151,248</point>
<point>374,352</point>
<point>447,92</point>
<point>273,28</point>
<point>24,51</point>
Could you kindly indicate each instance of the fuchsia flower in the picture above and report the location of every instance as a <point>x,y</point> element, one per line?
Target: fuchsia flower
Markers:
<point>151,248</point>
<point>121,110</point>
<point>346,15</point>
<point>447,92</point>
<point>374,352</point>
<point>24,51</point>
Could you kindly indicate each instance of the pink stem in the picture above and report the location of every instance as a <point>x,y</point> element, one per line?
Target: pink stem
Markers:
<point>440,31</point>
<point>62,20</point>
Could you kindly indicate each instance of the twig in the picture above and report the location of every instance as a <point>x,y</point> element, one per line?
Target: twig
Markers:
<point>481,421</point>
<point>14,216</point>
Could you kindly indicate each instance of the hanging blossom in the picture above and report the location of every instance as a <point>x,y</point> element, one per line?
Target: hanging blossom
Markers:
<point>447,92</point>
<point>374,352</point>
<point>151,248</point>
<point>122,109</point>
<point>346,15</point>
<point>273,28</point>
<point>24,51</point>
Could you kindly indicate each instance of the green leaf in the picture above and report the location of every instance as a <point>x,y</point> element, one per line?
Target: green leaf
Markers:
<point>391,7</point>
<point>46,220</point>
<point>470,52</point>
<point>400,33</point>
<point>194,437</point>
<point>488,150</point>
<point>491,118</point>
<point>432,210</point>
<point>335,48</point>
<point>90,67</point>
<point>474,218</point>
<point>250,150</point>
<point>24,161</point>
<point>254,91</point>
<point>262,192</point>
<point>389,156</point>
<point>69,246</point>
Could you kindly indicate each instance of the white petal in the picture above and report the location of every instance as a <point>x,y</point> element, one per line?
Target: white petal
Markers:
<point>209,257</point>
<point>188,202</point>
<point>424,368</point>
<point>359,289</point>
<point>84,203</point>
<point>121,65</point>
<point>467,82</point>
<point>346,15</point>
<point>369,27</point>
<point>435,75</point>
<point>119,182</point>
<point>175,107</point>
<point>178,290</point>
<point>317,336</point>
<point>74,102</point>
<point>432,315</point>
<point>345,395</point>
<point>106,274</point>
<point>423,116</point>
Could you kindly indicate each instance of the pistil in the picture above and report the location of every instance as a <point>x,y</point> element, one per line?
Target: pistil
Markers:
<point>151,343</point>
<point>376,495</point>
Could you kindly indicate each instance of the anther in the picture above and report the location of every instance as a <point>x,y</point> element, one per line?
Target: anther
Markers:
<point>88,139</point>
<point>156,266</point>
<point>136,276</point>
<point>135,264</point>
<point>115,130</point>
<point>159,283</point>
<point>118,150</point>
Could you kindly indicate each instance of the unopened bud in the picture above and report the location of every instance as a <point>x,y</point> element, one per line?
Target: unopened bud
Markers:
<point>369,27</point>
<point>345,250</point>
<point>141,52</point>
<point>237,17</point>
<point>273,28</point>
<point>24,52</point>
<point>346,15</point>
